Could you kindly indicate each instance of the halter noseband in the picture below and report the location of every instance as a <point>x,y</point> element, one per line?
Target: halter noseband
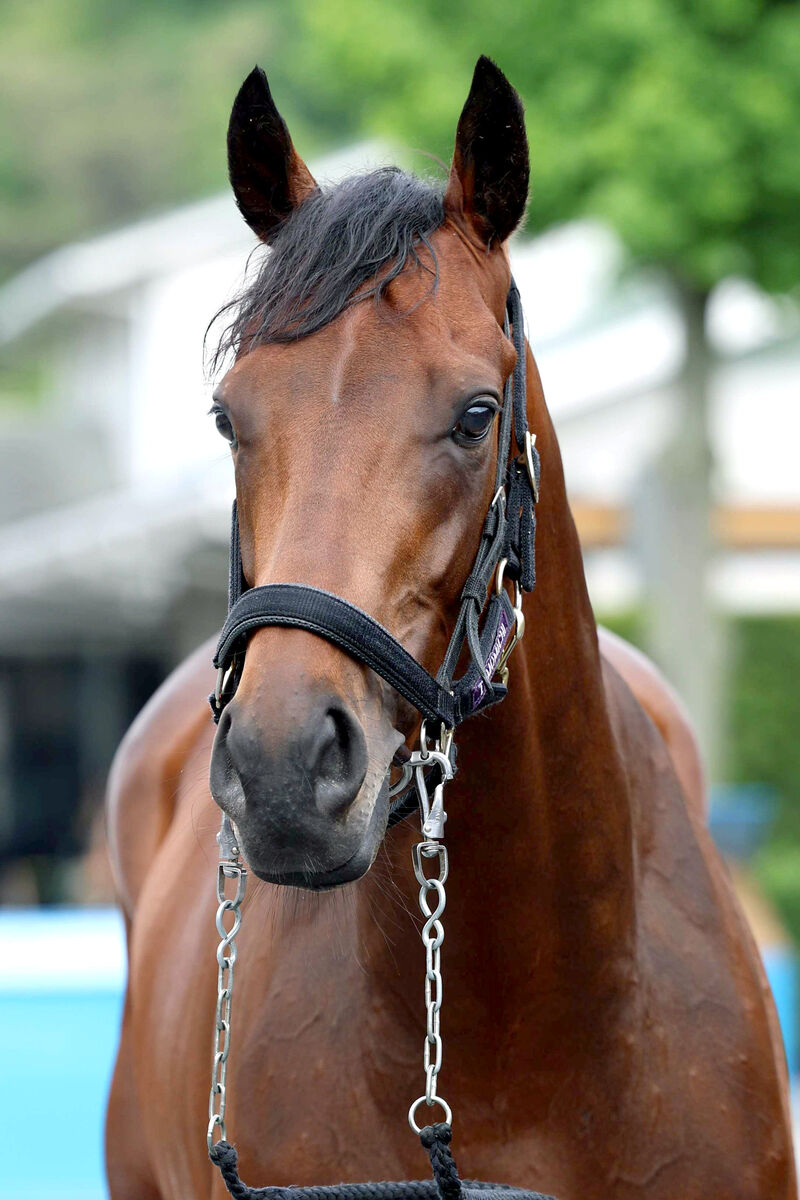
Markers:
<point>506,551</point>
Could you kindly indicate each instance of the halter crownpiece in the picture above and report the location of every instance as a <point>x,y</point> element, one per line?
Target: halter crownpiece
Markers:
<point>506,551</point>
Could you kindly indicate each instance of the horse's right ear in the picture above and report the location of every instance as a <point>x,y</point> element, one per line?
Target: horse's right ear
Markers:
<point>268,177</point>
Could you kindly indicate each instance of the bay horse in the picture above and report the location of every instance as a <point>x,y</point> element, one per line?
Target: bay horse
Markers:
<point>609,1029</point>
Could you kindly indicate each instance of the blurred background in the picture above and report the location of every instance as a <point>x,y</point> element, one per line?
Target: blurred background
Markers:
<point>659,269</point>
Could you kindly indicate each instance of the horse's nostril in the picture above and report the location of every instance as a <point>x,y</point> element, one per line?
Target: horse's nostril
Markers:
<point>302,774</point>
<point>337,759</point>
<point>224,777</point>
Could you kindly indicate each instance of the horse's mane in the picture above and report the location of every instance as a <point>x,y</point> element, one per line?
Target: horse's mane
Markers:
<point>365,228</point>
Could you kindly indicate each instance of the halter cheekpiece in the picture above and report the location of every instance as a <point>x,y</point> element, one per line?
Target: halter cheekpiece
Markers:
<point>490,623</point>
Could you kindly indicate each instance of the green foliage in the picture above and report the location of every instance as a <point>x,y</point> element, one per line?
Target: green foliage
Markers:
<point>676,121</point>
<point>761,710</point>
<point>764,713</point>
<point>628,625</point>
<point>777,867</point>
<point>108,110</point>
<point>762,744</point>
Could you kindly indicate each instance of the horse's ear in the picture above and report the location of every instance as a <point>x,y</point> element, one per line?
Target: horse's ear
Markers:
<point>488,184</point>
<point>267,175</point>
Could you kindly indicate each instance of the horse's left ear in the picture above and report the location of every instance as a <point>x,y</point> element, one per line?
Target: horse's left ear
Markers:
<point>268,176</point>
<point>488,185</point>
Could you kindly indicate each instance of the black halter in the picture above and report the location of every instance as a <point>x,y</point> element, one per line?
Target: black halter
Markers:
<point>507,537</point>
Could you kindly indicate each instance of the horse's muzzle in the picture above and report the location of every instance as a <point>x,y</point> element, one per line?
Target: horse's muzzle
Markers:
<point>296,794</point>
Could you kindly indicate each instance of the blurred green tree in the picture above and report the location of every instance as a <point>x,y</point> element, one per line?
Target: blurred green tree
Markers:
<point>676,121</point>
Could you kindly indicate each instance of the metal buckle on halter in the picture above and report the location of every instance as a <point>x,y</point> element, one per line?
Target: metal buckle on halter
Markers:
<point>519,622</point>
<point>223,677</point>
<point>525,459</point>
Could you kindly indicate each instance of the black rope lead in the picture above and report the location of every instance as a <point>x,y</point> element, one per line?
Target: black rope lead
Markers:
<point>436,1140</point>
<point>445,1184</point>
<point>224,1156</point>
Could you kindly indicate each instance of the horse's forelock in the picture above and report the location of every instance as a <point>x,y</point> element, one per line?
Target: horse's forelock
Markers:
<point>327,251</point>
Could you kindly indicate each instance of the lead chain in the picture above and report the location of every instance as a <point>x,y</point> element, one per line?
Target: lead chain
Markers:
<point>230,868</point>
<point>432,900</point>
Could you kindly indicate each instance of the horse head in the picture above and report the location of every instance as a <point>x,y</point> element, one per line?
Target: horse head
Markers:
<point>369,365</point>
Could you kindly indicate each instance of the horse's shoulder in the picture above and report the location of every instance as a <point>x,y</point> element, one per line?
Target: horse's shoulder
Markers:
<point>665,709</point>
<point>144,780</point>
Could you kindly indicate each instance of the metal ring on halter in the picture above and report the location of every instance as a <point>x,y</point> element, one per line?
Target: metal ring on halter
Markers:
<point>498,587</point>
<point>407,770</point>
<point>448,1112</point>
<point>501,669</point>
<point>526,460</point>
<point>442,742</point>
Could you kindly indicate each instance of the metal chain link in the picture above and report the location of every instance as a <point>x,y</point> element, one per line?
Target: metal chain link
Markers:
<point>432,901</point>
<point>230,868</point>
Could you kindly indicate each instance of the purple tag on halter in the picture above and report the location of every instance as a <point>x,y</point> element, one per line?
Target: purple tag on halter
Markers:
<point>503,629</point>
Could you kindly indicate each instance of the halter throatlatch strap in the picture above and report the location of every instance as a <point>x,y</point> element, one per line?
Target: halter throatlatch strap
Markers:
<point>445,1184</point>
<point>507,537</point>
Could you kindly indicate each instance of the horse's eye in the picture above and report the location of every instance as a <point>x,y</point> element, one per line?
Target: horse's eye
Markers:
<point>475,422</point>
<point>223,424</point>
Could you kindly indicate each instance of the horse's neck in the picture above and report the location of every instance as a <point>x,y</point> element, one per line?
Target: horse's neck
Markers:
<point>539,832</point>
